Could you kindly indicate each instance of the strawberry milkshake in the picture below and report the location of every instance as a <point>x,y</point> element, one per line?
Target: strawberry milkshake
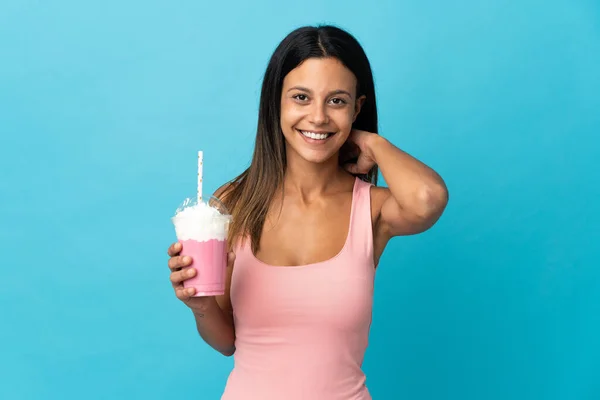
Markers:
<point>202,228</point>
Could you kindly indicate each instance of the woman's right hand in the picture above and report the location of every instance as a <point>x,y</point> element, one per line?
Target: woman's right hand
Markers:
<point>180,272</point>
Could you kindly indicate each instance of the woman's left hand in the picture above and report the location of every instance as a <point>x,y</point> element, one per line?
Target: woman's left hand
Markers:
<point>358,147</point>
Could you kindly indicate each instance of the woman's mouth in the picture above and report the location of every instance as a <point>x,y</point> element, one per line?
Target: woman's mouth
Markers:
<point>315,137</point>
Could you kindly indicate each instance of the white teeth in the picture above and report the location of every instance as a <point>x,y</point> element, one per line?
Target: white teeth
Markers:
<point>313,135</point>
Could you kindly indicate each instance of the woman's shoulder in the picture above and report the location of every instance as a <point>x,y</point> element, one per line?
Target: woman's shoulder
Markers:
<point>380,191</point>
<point>379,194</point>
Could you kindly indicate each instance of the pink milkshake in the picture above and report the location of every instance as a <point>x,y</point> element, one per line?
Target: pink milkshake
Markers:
<point>201,229</point>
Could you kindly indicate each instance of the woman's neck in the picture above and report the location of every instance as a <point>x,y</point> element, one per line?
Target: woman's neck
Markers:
<point>309,179</point>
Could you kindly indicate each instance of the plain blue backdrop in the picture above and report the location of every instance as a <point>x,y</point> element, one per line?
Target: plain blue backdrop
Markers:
<point>103,106</point>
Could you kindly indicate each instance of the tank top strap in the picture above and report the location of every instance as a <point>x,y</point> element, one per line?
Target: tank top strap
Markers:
<point>361,230</point>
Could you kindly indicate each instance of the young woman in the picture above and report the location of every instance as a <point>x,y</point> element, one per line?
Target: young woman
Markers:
<point>309,226</point>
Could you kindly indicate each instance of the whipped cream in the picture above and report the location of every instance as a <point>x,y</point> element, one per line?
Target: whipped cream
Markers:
<point>200,222</point>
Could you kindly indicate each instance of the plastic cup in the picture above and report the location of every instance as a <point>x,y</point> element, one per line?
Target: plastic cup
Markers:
<point>201,228</point>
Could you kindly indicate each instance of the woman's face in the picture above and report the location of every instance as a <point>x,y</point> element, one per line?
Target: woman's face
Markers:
<point>318,107</point>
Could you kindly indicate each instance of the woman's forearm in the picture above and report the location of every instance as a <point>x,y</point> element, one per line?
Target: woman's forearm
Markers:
<point>215,327</point>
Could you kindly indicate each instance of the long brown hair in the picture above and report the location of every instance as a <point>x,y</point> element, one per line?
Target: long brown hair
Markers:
<point>249,195</point>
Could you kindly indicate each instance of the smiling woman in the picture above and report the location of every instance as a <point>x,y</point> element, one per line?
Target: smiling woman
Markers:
<point>309,228</point>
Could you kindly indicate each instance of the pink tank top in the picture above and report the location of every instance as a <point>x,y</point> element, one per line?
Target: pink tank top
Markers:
<point>302,331</point>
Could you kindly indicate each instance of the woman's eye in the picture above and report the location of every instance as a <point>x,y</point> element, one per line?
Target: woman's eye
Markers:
<point>301,97</point>
<point>337,101</point>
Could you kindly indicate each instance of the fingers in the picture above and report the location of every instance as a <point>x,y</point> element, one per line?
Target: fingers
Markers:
<point>176,263</point>
<point>178,277</point>
<point>361,166</point>
<point>174,249</point>
<point>352,168</point>
<point>184,294</point>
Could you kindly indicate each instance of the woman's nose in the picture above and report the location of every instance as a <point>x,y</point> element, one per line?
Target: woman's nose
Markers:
<point>319,114</point>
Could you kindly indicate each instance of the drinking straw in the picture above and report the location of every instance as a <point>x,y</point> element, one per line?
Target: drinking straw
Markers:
<point>200,157</point>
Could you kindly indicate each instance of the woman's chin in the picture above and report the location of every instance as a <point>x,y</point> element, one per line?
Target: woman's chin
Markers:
<point>318,157</point>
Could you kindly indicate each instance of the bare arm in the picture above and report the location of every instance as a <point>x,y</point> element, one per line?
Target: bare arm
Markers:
<point>417,195</point>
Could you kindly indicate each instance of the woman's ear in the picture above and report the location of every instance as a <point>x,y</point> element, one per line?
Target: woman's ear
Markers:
<point>358,105</point>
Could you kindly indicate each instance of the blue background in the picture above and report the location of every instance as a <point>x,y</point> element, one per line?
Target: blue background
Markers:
<point>103,106</point>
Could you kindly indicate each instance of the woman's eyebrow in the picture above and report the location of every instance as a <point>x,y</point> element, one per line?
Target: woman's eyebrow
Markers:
<point>338,91</point>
